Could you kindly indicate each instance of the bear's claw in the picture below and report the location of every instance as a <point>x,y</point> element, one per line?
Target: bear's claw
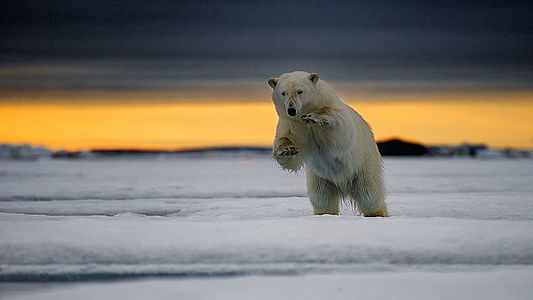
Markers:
<point>287,151</point>
<point>311,119</point>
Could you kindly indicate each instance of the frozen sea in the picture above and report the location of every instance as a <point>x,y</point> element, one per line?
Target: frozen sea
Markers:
<point>239,227</point>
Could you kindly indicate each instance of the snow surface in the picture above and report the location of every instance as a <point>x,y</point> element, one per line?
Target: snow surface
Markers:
<point>459,227</point>
<point>512,283</point>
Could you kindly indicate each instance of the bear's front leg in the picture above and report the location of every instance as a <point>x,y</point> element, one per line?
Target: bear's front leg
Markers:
<point>321,117</point>
<point>287,154</point>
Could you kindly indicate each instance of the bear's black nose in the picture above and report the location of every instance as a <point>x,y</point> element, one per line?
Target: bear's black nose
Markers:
<point>291,111</point>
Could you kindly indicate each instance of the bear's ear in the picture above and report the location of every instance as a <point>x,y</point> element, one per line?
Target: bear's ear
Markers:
<point>272,82</point>
<point>313,77</point>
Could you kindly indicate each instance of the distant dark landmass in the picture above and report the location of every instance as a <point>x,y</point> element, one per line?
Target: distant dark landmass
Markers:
<point>211,151</point>
<point>113,152</point>
<point>397,147</point>
<point>391,147</point>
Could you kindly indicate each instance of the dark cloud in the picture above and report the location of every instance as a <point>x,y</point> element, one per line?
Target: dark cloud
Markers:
<point>128,41</point>
<point>461,16</point>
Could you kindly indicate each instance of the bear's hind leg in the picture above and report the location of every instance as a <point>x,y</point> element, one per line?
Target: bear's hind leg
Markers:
<point>368,194</point>
<point>382,212</point>
<point>324,195</point>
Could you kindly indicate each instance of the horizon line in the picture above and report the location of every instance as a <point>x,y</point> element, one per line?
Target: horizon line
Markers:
<point>243,146</point>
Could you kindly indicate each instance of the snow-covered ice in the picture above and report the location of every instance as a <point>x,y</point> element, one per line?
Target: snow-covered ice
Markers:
<point>227,228</point>
<point>511,283</point>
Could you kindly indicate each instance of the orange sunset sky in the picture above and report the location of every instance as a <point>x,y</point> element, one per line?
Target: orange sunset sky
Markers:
<point>169,120</point>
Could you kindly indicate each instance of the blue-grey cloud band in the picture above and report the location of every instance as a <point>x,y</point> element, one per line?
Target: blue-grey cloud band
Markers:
<point>137,44</point>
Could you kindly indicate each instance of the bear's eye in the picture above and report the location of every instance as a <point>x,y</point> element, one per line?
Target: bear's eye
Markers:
<point>283,93</point>
<point>300,92</point>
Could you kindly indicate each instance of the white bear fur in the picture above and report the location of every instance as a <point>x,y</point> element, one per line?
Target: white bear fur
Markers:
<point>332,141</point>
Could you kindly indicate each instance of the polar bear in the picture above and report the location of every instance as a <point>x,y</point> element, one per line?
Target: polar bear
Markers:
<point>333,141</point>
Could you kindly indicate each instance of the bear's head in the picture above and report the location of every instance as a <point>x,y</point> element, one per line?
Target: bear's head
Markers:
<point>293,93</point>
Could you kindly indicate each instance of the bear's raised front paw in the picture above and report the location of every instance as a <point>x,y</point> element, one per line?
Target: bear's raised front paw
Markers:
<point>286,151</point>
<point>313,119</point>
